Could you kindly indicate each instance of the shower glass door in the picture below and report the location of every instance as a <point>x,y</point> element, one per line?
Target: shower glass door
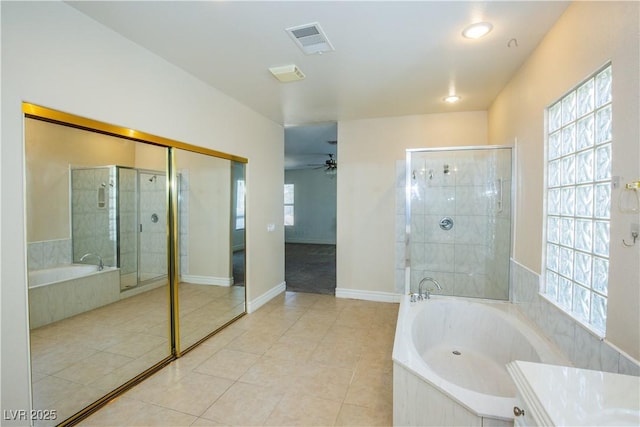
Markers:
<point>152,237</point>
<point>128,227</point>
<point>459,220</point>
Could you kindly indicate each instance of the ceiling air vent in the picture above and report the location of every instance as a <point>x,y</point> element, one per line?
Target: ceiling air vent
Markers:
<point>287,73</point>
<point>310,38</point>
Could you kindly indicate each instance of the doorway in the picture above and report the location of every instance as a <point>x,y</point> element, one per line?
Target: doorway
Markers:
<point>311,174</point>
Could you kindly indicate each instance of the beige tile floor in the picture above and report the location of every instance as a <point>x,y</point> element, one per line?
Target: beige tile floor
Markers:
<point>78,360</point>
<point>302,359</point>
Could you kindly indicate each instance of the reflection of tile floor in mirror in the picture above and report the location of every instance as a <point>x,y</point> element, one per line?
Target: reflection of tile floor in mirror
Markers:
<point>77,360</point>
<point>302,359</point>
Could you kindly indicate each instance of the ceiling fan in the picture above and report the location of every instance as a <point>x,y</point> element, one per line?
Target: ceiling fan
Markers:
<point>330,165</point>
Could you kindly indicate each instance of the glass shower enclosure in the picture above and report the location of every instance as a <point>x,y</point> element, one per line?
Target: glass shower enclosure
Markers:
<point>119,215</point>
<point>458,220</point>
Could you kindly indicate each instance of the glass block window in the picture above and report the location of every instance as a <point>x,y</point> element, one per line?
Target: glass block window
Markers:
<point>578,200</point>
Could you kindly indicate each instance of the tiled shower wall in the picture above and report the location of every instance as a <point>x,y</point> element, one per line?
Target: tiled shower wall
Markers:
<point>583,348</point>
<point>471,259</point>
<point>93,227</point>
<point>153,238</point>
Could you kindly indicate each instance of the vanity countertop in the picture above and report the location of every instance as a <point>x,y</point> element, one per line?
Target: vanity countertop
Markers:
<point>566,396</point>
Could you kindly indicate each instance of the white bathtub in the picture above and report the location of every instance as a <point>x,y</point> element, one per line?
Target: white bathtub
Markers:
<point>449,361</point>
<point>64,291</point>
<point>49,276</point>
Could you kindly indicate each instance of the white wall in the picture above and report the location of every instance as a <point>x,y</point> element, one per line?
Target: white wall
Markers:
<point>587,36</point>
<point>368,151</point>
<point>207,181</point>
<point>54,56</point>
<point>314,207</point>
<point>51,150</point>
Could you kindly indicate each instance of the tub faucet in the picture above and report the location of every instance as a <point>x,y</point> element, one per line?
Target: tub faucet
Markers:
<point>427,292</point>
<point>100,263</point>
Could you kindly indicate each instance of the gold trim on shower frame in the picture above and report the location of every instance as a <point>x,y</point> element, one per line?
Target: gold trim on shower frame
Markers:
<point>37,112</point>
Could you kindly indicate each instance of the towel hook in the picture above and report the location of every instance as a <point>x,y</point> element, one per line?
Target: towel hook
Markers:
<point>634,234</point>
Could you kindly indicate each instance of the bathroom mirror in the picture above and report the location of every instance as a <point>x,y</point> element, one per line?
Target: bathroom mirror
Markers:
<point>98,304</point>
<point>132,244</point>
<point>210,244</point>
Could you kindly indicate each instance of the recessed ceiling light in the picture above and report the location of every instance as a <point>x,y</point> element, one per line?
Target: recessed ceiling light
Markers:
<point>477,30</point>
<point>451,99</point>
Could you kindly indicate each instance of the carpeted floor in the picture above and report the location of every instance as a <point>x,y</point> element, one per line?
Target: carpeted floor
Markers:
<point>310,268</point>
<point>238,268</point>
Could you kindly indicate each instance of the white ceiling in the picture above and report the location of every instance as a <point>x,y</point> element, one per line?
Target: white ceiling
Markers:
<point>309,146</point>
<point>391,58</point>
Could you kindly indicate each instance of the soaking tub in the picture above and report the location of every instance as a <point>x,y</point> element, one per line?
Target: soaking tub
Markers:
<point>449,361</point>
<point>63,291</point>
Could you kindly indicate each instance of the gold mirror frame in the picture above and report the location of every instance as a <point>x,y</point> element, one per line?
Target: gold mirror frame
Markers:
<point>65,119</point>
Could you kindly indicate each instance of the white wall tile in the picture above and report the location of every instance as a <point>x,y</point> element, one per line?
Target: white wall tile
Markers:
<point>584,349</point>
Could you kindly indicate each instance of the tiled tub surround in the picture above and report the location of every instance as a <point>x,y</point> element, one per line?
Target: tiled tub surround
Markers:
<point>48,253</point>
<point>434,386</point>
<point>64,291</point>
<point>585,349</point>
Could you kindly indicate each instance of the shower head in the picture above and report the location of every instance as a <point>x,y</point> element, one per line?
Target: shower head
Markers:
<point>152,179</point>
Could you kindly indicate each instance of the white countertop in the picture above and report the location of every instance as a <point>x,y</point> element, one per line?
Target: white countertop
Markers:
<point>565,396</point>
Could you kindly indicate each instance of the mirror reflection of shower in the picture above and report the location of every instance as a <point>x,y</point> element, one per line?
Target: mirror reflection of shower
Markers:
<point>112,208</point>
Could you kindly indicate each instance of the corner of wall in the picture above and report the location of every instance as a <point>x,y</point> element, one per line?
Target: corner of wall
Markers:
<point>261,300</point>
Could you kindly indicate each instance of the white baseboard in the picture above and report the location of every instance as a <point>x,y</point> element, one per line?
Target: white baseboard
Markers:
<point>367,295</point>
<point>206,280</point>
<point>256,303</point>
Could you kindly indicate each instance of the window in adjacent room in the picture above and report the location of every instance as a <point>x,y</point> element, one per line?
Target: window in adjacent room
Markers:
<point>240,204</point>
<point>578,200</point>
<point>288,204</point>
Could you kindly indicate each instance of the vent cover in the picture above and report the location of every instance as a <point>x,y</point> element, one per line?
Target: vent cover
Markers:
<point>287,73</point>
<point>310,38</point>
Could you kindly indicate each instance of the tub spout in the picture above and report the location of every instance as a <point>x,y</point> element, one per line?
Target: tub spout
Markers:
<point>100,263</point>
<point>427,292</point>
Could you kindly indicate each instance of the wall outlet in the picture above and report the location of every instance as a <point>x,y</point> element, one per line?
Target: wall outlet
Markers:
<point>271,227</point>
